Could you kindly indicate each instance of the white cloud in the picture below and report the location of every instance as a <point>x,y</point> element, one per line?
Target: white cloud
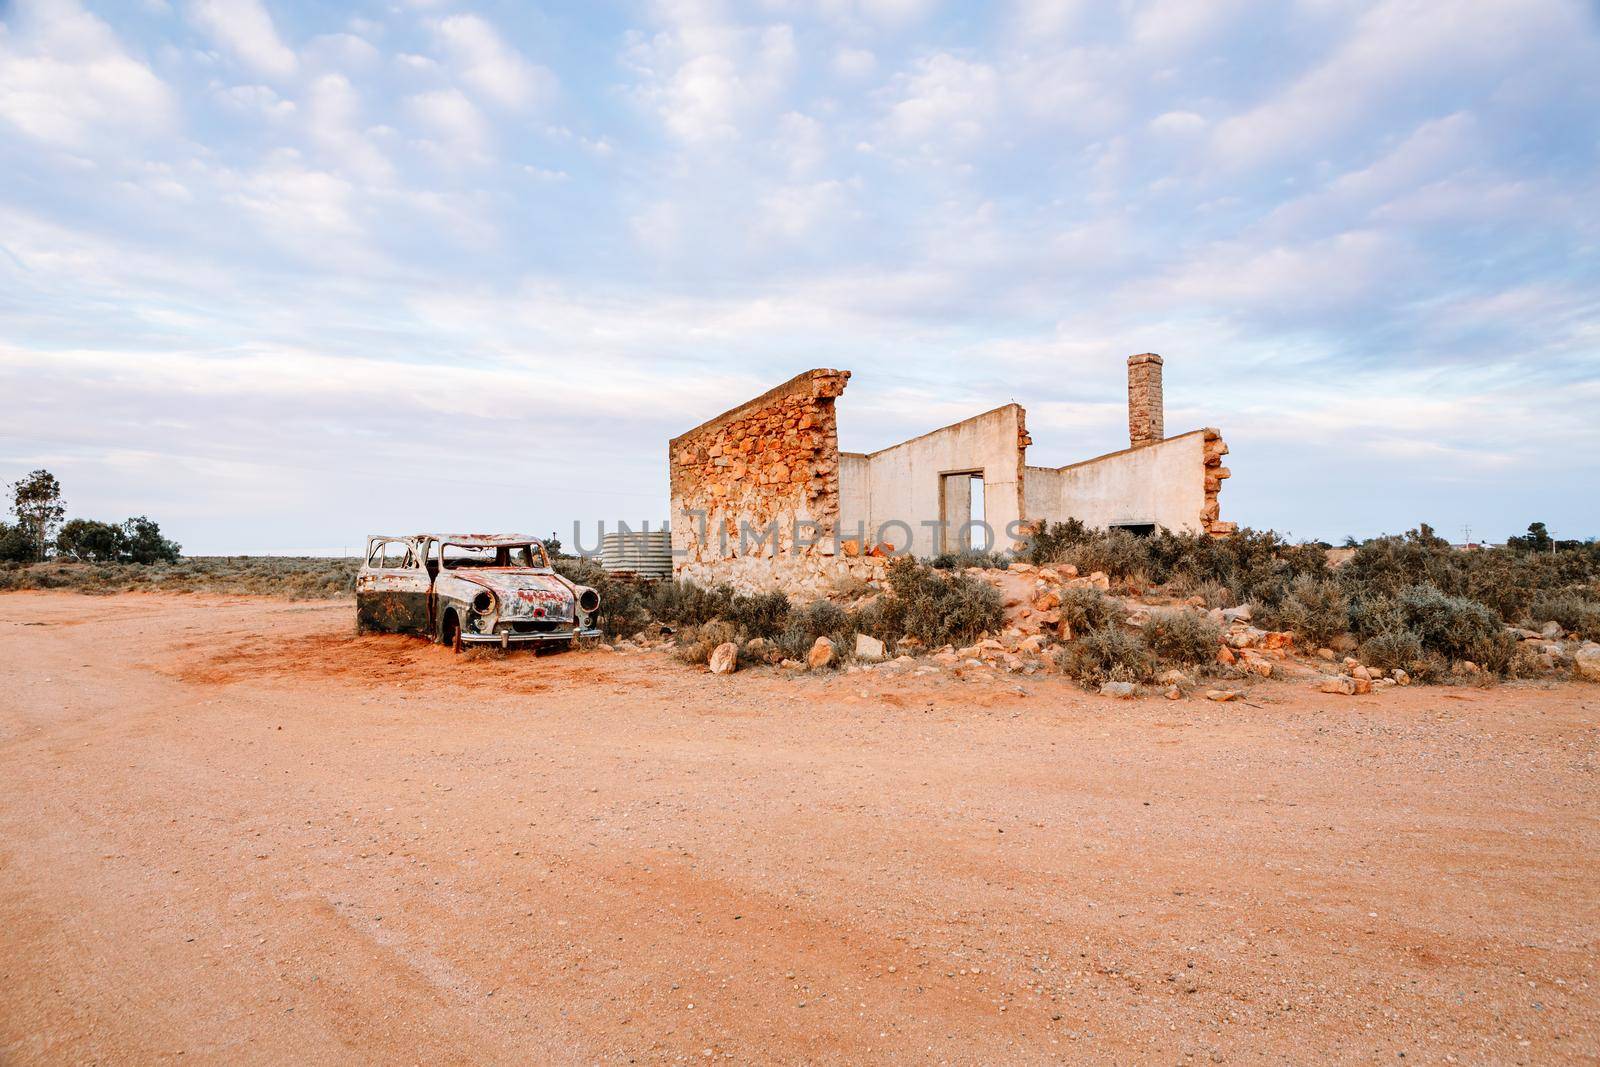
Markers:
<point>855,64</point>
<point>244,28</point>
<point>452,122</point>
<point>1178,123</point>
<point>802,142</point>
<point>334,123</point>
<point>489,66</point>
<point>944,99</point>
<point>1398,53</point>
<point>258,99</point>
<point>706,78</point>
<point>66,79</point>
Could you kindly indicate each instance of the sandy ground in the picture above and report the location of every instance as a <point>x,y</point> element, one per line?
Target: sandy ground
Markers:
<point>232,831</point>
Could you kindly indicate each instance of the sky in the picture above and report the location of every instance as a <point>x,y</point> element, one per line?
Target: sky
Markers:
<point>283,273</point>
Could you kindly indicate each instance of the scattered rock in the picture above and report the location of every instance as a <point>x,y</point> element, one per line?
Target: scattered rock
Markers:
<point>1021,568</point>
<point>869,649</point>
<point>1552,630</point>
<point>791,665</point>
<point>1343,685</point>
<point>1174,678</point>
<point>1359,671</point>
<point>1120,690</point>
<point>1226,657</point>
<point>1238,614</point>
<point>821,654</point>
<point>1223,695</point>
<point>725,658</point>
<point>1586,663</point>
<point>1326,653</point>
<point>1174,693</point>
<point>1402,677</point>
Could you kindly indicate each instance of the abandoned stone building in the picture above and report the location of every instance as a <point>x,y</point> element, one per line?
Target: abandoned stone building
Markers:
<point>763,498</point>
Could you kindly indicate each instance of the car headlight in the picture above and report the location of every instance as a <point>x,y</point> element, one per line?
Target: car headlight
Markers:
<point>483,603</point>
<point>589,601</point>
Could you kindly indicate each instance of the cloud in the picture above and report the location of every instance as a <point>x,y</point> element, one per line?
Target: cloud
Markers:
<point>855,64</point>
<point>1398,56</point>
<point>245,29</point>
<point>452,122</point>
<point>489,66</point>
<point>707,78</point>
<point>944,99</point>
<point>256,99</point>
<point>66,79</point>
<point>334,124</point>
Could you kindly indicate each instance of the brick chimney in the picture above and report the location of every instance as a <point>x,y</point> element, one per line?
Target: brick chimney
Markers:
<point>1145,416</point>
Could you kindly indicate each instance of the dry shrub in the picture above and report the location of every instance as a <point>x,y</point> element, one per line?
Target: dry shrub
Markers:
<point>1116,553</point>
<point>697,643</point>
<point>1084,608</point>
<point>1107,654</point>
<point>1182,638</point>
<point>820,618</point>
<point>1315,609</point>
<point>935,607</point>
<point>1573,612</point>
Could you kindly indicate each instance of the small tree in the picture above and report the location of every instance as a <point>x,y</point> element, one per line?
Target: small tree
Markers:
<point>144,543</point>
<point>15,544</point>
<point>36,501</point>
<point>86,539</point>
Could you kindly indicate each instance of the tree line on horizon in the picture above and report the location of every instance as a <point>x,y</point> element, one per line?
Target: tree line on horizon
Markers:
<point>43,531</point>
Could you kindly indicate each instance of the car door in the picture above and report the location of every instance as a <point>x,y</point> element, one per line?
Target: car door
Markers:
<point>392,587</point>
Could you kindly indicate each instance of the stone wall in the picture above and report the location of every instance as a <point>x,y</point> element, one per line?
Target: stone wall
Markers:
<point>746,482</point>
<point>1146,405</point>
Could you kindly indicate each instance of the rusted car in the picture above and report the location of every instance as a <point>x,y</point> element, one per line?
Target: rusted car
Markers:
<point>469,589</point>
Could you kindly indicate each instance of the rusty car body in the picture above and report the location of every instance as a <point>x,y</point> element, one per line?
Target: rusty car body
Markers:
<point>471,589</point>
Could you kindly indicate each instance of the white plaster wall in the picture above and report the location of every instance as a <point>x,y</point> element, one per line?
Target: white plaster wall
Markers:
<point>1042,491</point>
<point>855,495</point>
<point>1163,483</point>
<point>903,481</point>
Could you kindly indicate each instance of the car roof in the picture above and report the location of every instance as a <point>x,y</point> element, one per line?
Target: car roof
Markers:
<point>481,540</point>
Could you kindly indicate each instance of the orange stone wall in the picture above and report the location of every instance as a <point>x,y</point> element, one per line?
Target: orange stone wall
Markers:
<point>775,458</point>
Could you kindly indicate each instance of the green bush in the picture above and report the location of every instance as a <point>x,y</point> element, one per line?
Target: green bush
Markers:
<point>697,643</point>
<point>1573,612</point>
<point>1315,609</point>
<point>935,607</point>
<point>1457,628</point>
<point>1115,553</point>
<point>760,614</point>
<point>1108,654</point>
<point>1050,542</point>
<point>1402,649</point>
<point>954,561</point>
<point>820,618</point>
<point>1182,638</point>
<point>1084,608</point>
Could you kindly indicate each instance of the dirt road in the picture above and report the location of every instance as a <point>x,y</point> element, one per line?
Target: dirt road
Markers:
<point>231,831</point>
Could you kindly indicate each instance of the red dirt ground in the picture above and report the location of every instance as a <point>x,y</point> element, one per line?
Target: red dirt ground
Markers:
<point>232,831</point>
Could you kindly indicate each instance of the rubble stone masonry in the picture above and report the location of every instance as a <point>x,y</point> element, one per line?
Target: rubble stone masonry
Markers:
<point>1146,409</point>
<point>769,464</point>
